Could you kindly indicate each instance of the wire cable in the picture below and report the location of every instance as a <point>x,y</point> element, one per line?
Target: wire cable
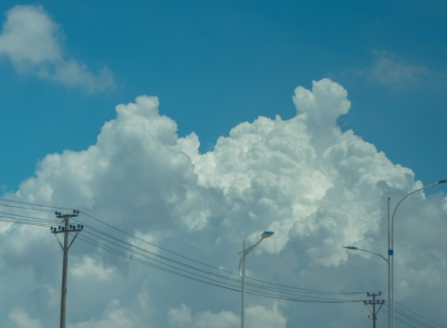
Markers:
<point>222,280</point>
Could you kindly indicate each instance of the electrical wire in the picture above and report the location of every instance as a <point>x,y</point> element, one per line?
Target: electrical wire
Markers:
<point>280,287</point>
<point>203,274</point>
<point>16,218</point>
<point>418,315</point>
<point>411,318</point>
<point>204,279</point>
<point>250,281</point>
<point>222,279</point>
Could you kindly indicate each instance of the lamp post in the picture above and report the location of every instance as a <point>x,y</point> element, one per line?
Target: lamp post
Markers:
<point>355,248</point>
<point>244,253</point>
<point>390,259</point>
<point>391,244</point>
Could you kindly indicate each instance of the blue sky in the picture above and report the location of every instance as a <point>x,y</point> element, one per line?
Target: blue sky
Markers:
<point>196,125</point>
<point>215,64</point>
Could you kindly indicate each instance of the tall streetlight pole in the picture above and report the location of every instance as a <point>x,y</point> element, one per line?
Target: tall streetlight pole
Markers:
<point>355,248</point>
<point>391,243</point>
<point>244,253</point>
<point>390,260</point>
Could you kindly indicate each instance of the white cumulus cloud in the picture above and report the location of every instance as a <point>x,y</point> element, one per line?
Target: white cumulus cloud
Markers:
<point>33,43</point>
<point>316,186</point>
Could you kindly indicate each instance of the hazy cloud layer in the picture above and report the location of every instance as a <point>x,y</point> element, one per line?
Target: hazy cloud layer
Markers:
<point>390,70</point>
<point>316,186</point>
<point>256,316</point>
<point>32,41</point>
<point>397,73</point>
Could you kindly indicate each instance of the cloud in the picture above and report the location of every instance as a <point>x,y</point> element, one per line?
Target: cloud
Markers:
<point>18,318</point>
<point>323,104</point>
<point>390,70</point>
<point>256,316</point>
<point>316,186</point>
<point>90,268</point>
<point>180,316</point>
<point>114,316</point>
<point>397,73</point>
<point>33,43</point>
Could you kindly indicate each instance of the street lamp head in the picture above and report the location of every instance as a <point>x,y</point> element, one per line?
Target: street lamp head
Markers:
<point>442,181</point>
<point>266,234</point>
<point>350,247</point>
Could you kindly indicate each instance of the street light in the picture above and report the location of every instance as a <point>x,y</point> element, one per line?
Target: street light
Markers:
<point>390,260</point>
<point>391,245</point>
<point>355,248</point>
<point>244,253</point>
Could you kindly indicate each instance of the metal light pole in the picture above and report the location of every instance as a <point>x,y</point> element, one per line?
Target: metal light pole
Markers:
<point>390,259</point>
<point>391,244</point>
<point>355,248</point>
<point>244,253</point>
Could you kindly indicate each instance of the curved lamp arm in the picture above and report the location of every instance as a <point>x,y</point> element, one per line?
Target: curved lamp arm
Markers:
<point>409,194</point>
<point>244,253</point>
<point>355,248</point>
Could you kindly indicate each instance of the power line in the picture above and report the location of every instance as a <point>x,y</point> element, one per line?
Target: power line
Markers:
<point>202,276</point>
<point>278,288</point>
<point>412,319</point>
<point>220,280</point>
<point>415,314</point>
<point>50,208</point>
<point>207,280</point>
<point>150,261</point>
